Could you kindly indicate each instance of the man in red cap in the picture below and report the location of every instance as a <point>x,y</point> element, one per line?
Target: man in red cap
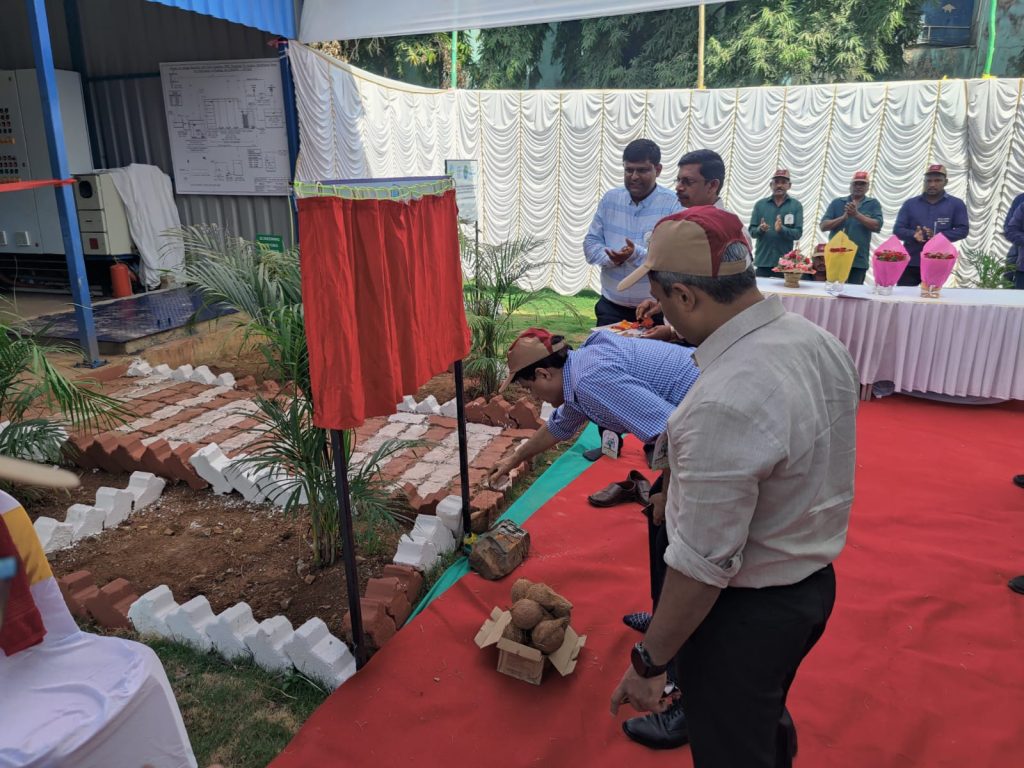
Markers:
<point>775,223</point>
<point>922,217</point>
<point>761,457</point>
<point>859,216</point>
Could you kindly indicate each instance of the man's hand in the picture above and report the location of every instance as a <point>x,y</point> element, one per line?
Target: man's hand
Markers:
<point>499,473</point>
<point>619,257</point>
<point>928,234</point>
<point>763,226</point>
<point>850,209</point>
<point>778,223</point>
<point>647,308</point>
<point>919,235</point>
<point>657,501</point>
<point>642,694</point>
<point>659,333</point>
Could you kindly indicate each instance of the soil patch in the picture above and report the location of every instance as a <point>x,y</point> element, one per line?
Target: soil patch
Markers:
<point>199,543</point>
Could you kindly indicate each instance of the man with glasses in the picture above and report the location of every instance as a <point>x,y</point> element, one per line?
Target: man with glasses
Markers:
<point>859,216</point>
<point>625,217</point>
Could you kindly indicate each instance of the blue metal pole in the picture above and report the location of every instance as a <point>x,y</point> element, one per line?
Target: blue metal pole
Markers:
<point>291,120</point>
<point>43,52</point>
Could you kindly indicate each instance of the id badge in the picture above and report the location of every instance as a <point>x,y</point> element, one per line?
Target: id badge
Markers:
<point>659,457</point>
<point>788,219</point>
<point>611,443</point>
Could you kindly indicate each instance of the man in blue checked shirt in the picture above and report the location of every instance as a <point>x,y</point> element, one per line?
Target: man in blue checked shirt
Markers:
<point>617,238</point>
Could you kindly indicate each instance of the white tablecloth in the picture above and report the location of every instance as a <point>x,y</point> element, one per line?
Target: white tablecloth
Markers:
<point>967,343</point>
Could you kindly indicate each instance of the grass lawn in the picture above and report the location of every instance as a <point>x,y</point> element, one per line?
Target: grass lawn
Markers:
<point>572,316</point>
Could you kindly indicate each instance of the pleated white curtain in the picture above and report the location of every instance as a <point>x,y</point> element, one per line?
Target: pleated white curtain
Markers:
<point>546,157</point>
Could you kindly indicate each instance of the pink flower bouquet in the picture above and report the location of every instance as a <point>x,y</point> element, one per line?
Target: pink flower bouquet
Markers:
<point>888,262</point>
<point>938,257</point>
<point>794,261</point>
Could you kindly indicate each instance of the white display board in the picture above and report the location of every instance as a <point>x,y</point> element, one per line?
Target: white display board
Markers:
<point>227,127</point>
<point>466,175</point>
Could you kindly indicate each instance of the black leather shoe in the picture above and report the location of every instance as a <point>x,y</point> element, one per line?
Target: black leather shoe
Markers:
<point>593,454</point>
<point>666,730</point>
<point>1018,480</point>
<point>1017,584</point>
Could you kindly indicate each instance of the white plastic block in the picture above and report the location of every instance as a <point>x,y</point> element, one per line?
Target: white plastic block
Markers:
<point>420,555</point>
<point>430,528</point>
<point>182,373</point>
<point>242,476</point>
<point>140,368</point>
<point>267,640</point>
<point>149,613</point>
<point>203,375</point>
<point>546,409</point>
<point>53,534</point>
<point>85,521</point>
<point>450,409</point>
<point>429,406</point>
<point>116,504</point>
<point>145,488</point>
<point>227,631</point>
<point>449,512</point>
<point>188,622</point>
<point>209,463</point>
<point>226,380</point>
<point>408,405</point>
<point>318,654</point>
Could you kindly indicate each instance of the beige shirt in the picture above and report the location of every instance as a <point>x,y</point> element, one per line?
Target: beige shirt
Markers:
<point>762,453</point>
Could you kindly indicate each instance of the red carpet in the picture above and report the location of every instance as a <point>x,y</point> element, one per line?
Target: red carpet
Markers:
<point>922,663</point>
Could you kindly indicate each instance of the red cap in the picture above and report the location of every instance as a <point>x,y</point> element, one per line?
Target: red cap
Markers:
<point>781,173</point>
<point>936,169</point>
<point>861,176</point>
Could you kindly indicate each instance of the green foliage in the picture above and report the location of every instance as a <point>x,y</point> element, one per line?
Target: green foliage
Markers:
<point>421,59</point>
<point>980,269</point>
<point>509,57</point>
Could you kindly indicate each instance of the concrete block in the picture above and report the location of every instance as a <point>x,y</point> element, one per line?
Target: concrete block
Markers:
<point>116,505</point>
<point>450,409</point>
<point>404,418</point>
<point>408,405</point>
<point>420,555</point>
<point>203,375</point>
<point>149,613</point>
<point>145,488</point>
<point>163,370</point>
<point>318,654</point>
<point>449,512</point>
<point>430,528</point>
<point>53,534</point>
<point>188,622</point>
<point>85,521</point>
<point>209,463</point>
<point>226,380</point>
<point>182,373</point>
<point>139,368</point>
<point>429,406</point>
<point>267,642</point>
<point>228,629</point>
<point>278,486</point>
<point>242,477</point>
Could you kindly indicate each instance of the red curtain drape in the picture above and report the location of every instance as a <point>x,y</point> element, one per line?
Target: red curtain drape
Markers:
<point>382,291</point>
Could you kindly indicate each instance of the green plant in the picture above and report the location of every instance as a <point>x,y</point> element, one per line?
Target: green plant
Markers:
<point>980,269</point>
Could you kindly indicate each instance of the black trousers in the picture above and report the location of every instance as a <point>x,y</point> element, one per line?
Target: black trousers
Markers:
<point>609,313</point>
<point>736,669</point>
<point>911,275</point>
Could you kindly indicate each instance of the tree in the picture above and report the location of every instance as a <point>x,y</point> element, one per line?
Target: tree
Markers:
<point>510,57</point>
<point>420,59</point>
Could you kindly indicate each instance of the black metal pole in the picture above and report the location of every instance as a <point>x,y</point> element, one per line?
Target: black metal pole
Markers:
<point>460,407</point>
<point>348,547</point>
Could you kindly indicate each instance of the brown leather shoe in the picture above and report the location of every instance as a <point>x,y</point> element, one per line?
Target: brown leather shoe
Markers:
<point>621,492</point>
<point>643,486</point>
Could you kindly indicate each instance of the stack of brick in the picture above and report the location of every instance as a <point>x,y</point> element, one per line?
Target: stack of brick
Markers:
<point>107,605</point>
<point>386,604</point>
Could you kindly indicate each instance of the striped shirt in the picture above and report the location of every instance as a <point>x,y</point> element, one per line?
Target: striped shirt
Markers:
<point>618,218</point>
<point>625,385</point>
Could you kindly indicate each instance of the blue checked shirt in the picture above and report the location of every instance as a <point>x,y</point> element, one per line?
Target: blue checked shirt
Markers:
<point>618,218</point>
<point>626,385</point>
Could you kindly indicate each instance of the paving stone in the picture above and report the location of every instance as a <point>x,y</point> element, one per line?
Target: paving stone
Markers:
<point>475,411</point>
<point>266,642</point>
<point>187,623</point>
<point>76,587</point>
<point>429,406</point>
<point>116,505</point>
<point>378,626</point>
<point>228,629</point>
<point>145,488</point>
<point>109,605</point>
<point>421,555</point>
<point>318,654</point>
<point>408,405</point>
<point>139,368</point>
<point>203,375</point>
<point>101,449</point>
<point>128,453</point>
<point>546,409</point>
<point>391,594</point>
<point>182,372</point>
<point>405,417</point>
<point>158,451</point>
<point>243,476</point>
<point>53,534</point>
<point>149,613</point>
<point>409,579</point>
<point>209,463</point>
<point>450,409</point>
<point>84,521</point>
<point>525,414</point>
<point>162,370</point>
<point>449,512</point>
<point>77,450</point>
<point>178,466</point>
<point>226,380</point>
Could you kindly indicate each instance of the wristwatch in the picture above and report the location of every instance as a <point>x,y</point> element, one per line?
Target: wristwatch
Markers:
<point>642,663</point>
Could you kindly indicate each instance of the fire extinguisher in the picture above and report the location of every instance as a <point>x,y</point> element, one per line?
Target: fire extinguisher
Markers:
<point>121,278</point>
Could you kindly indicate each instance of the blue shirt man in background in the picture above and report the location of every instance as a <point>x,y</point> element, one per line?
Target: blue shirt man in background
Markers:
<point>922,217</point>
<point>1013,230</point>
<point>617,239</point>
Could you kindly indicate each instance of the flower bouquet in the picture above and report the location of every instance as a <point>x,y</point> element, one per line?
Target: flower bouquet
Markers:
<point>793,266</point>
<point>888,263</point>
<point>839,253</point>
<point>938,257</point>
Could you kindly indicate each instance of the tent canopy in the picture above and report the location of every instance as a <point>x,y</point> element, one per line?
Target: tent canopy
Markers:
<point>355,19</point>
<point>274,16</point>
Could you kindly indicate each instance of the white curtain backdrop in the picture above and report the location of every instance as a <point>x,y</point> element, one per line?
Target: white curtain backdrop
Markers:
<point>546,157</point>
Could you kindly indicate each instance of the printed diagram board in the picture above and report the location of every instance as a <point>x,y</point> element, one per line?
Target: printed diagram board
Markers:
<point>226,124</point>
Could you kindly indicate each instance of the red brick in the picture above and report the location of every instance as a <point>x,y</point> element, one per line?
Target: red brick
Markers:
<point>106,373</point>
<point>178,467</point>
<point>109,606</point>
<point>246,383</point>
<point>479,521</point>
<point>518,434</point>
<point>391,593</point>
<point>144,408</point>
<point>428,505</point>
<point>76,450</point>
<point>442,421</point>
<point>155,457</point>
<point>408,577</point>
<point>497,411</point>
<point>76,587</point>
<point>487,504</point>
<point>525,414</point>
<point>270,389</point>
<point>102,448</point>
<point>395,468</point>
<point>378,626</point>
<point>475,411</point>
<point>128,453</point>
<point>435,434</point>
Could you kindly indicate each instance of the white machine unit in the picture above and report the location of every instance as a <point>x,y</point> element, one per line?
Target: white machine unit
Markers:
<point>101,216</point>
<point>28,220</point>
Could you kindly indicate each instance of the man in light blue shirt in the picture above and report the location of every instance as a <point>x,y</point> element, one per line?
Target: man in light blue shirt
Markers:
<point>617,238</point>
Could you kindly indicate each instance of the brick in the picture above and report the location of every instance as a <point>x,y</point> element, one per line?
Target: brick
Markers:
<point>203,375</point>
<point>525,414</point>
<point>76,587</point>
<point>139,368</point>
<point>155,458</point>
<point>180,469</point>
<point>270,389</point>
<point>449,512</point>
<point>149,613</point>
<point>109,606</point>
<point>76,449</point>
<point>443,421</point>
<point>228,629</point>
<point>318,654</point>
<point>108,372</point>
<point>390,592</point>
<point>378,626</point>
<point>246,383</point>
<point>497,411</point>
<point>410,580</point>
<point>128,453</point>
<point>101,450</point>
<point>267,642</point>
<point>475,411</point>
<point>479,520</point>
<point>226,380</point>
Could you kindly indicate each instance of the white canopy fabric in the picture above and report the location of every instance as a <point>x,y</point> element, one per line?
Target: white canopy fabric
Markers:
<point>546,157</point>
<point>355,19</point>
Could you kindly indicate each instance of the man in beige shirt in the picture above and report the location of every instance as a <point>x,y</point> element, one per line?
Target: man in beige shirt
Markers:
<point>761,456</point>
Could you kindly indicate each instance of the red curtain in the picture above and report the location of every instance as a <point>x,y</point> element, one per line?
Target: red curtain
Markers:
<point>382,291</point>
